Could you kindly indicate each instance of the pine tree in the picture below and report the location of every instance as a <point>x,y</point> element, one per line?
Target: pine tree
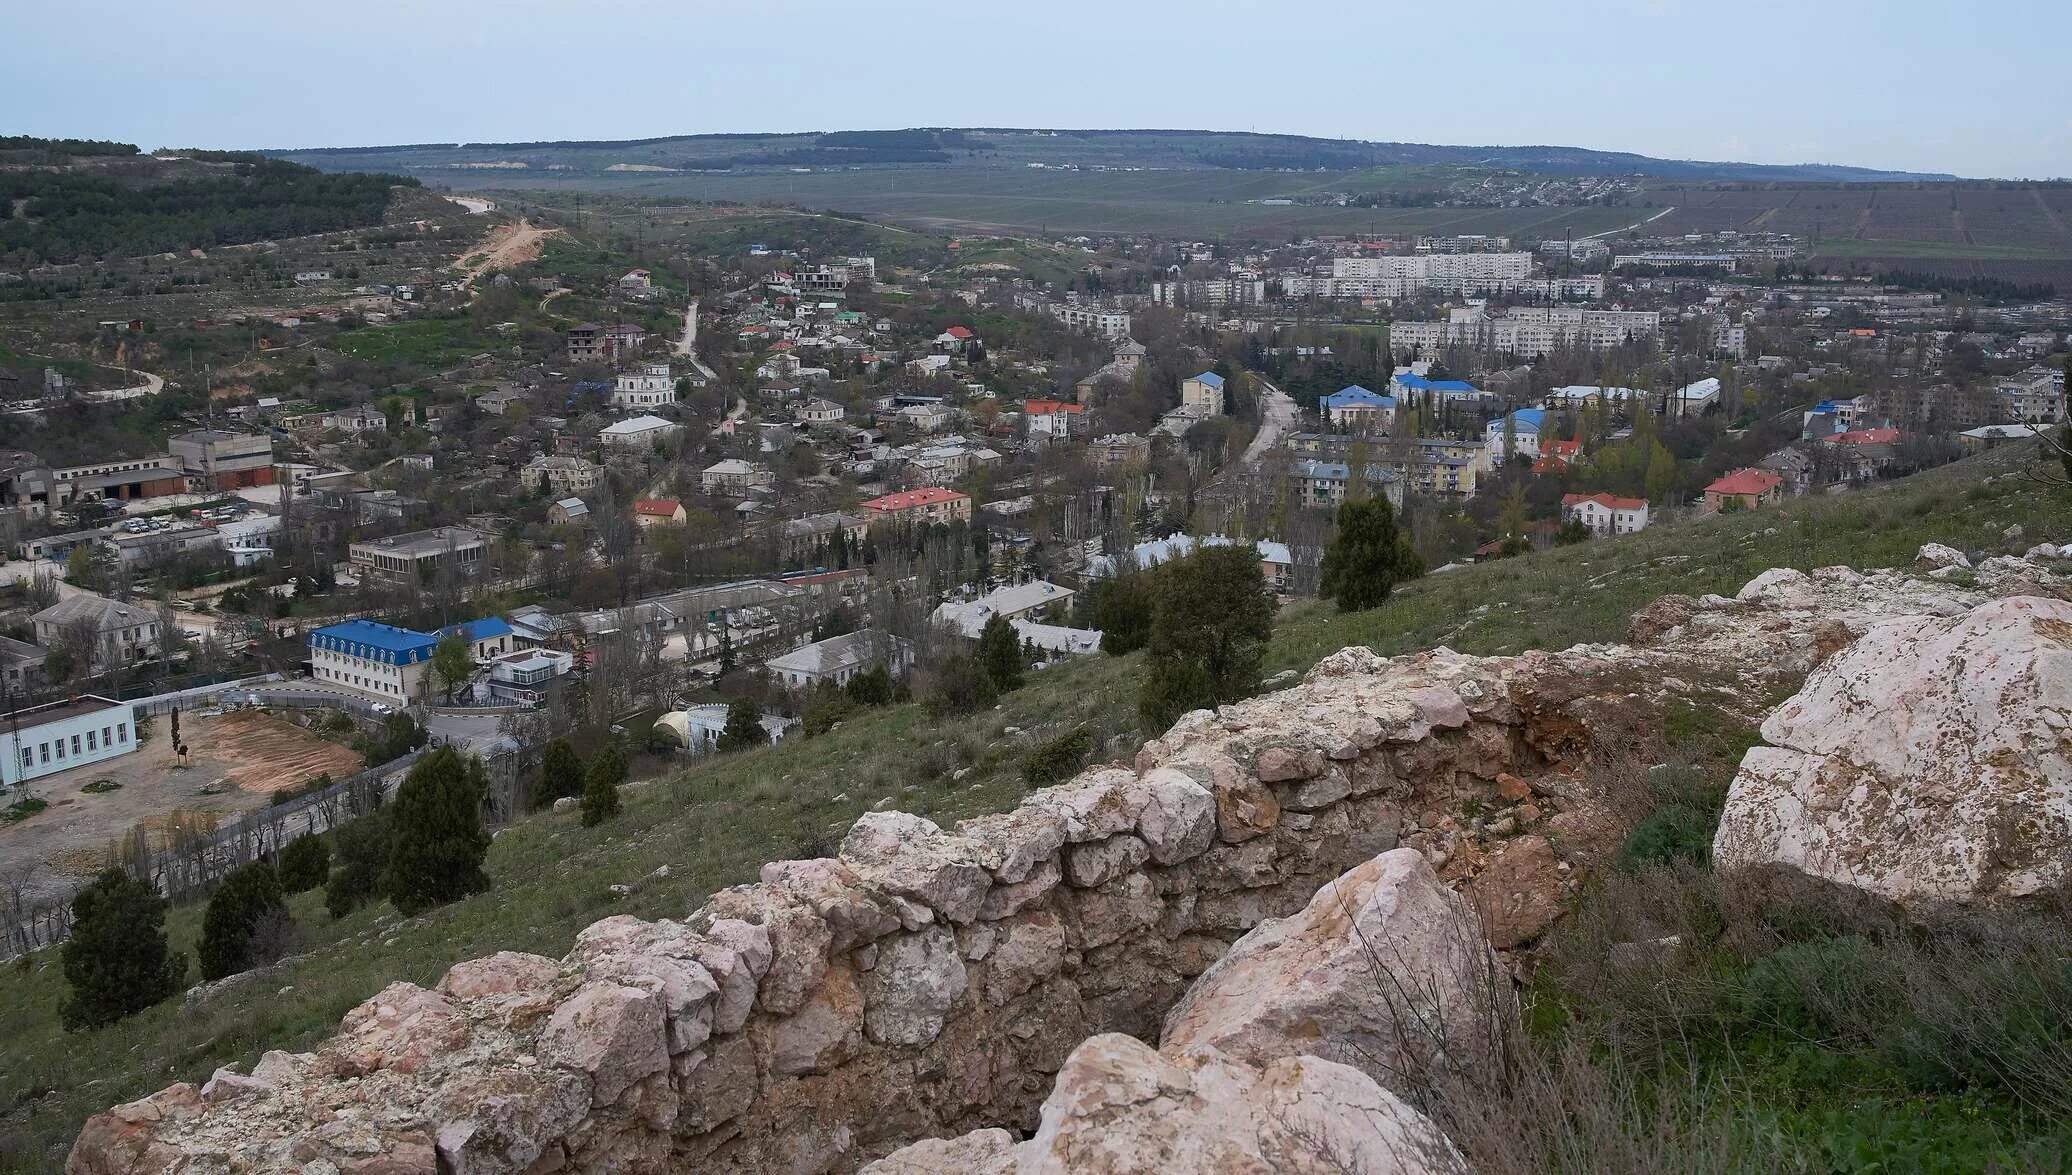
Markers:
<point>744,728</point>
<point>999,654</point>
<point>1368,556</point>
<point>601,785</point>
<point>561,772</point>
<point>116,959</point>
<point>1209,630</point>
<point>436,843</point>
<point>244,896</point>
<point>305,863</point>
<point>362,850</point>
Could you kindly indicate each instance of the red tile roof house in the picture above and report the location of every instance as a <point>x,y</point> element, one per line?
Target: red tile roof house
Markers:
<point>1052,419</point>
<point>1748,488</point>
<point>955,338</point>
<point>1556,456</point>
<point>659,512</point>
<point>1605,514</point>
<point>928,504</point>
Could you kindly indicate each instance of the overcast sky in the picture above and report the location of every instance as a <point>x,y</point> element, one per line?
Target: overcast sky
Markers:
<point>1927,85</point>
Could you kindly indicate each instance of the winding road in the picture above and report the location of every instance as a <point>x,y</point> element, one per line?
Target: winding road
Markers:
<point>1276,419</point>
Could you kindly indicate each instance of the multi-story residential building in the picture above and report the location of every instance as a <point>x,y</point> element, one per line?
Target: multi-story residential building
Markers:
<point>58,736</point>
<point>562,475</point>
<point>2035,395</point>
<point>1396,276</point>
<point>215,459</point>
<point>1720,261</point>
<point>1606,514</point>
<point>835,277</point>
<point>116,633</point>
<point>1583,252</point>
<point>1323,485</point>
<point>929,504</point>
<point>591,343</point>
<point>1203,393</point>
<point>814,536</point>
<point>1119,448</point>
<point>735,476</point>
<point>1207,293</point>
<point>1527,330</point>
<point>650,387</point>
<point>1587,287</point>
<point>1052,420</point>
<point>1099,320</point>
<point>418,557</point>
<point>1515,435</point>
<point>1729,338</point>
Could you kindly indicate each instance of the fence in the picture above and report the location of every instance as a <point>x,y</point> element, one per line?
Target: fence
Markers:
<point>187,699</point>
<point>190,866</point>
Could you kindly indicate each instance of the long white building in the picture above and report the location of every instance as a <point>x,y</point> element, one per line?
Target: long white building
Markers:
<point>58,736</point>
<point>1527,330</point>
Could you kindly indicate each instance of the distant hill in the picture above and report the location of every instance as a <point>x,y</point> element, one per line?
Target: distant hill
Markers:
<point>73,200</point>
<point>1010,147</point>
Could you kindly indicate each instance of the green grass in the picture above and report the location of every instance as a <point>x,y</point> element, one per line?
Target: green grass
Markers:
<point>433,343</point>
<point>1942,250</point>
<point>713,824</point>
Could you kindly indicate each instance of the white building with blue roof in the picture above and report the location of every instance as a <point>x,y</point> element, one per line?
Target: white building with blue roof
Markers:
<point>1203,392</point>
<point>1515,435</point>
<point>392,663</point>
<point>1356,406</point>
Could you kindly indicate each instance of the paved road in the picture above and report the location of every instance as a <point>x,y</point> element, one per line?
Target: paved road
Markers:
<point>1276,420</point>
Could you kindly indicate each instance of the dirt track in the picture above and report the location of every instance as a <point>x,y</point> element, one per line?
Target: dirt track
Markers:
<point>506,247</point>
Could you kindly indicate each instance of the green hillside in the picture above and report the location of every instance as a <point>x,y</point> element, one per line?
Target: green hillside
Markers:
<point>712,824</point>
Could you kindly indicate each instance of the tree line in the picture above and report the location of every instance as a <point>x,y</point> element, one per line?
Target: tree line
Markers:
<point>71,216</point>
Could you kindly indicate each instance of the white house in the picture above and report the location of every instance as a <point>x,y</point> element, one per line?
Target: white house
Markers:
<point>637,432</point>
<point>1515,435</point>
<point>1605,514</point>
<point>839,658</point>
<point>56,736</point>
<point>734,476</point>
<point>1694,399</point>
<point>816,411</point>
<point>650,387</point>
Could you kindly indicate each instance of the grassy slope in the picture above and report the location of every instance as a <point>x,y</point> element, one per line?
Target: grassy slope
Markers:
<point>715,824</point>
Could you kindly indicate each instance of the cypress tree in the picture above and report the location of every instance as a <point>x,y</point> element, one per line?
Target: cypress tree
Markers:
<point>744,728</point>
<point>999,654</point>
<point>561,772</point>
<point>436,842</point>
<point>1368,556</point>
<point>116,959</point>
<point>601,785</point>
<point>305,863</point>
<point>244,896</point>
<point>362,855</point>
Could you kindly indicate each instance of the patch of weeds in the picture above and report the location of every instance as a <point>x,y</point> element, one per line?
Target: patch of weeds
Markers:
<point>99,786</point>
<point>21,810</point>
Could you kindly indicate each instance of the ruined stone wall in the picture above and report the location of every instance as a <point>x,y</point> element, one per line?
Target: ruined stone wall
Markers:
<point>930,982</point>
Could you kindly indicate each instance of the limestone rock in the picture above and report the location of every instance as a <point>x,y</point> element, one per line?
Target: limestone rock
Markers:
<point>1179,816</point>
<point>1385,970</point>
<point>404,1027</point>
<point>1012,845</point>
<point>1519,893</point>
<point>824,1032</point>
<point>982,1152</point>
<point>1934,556</point>
<point>913,858</point>
<point>504,1121</point>
<point>1095,863</point>
<point>1118,1107</point>
<point>1286,764</point>
<point>909,993</point>
<point>502,973</point>
<point>1095,806</point>
<point>832,890</point>
<point>609,1032</point>
<point>1928,763</point>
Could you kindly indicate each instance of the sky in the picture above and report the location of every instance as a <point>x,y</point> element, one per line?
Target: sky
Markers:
<point>1920,85</point>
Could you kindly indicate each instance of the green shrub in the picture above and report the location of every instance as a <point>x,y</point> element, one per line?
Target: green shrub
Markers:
<point>116,959</point>
<point>362,851</point>
<point>1057,759</point>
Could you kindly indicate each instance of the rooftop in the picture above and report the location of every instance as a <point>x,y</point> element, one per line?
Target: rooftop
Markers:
<point>908,499</point>
<point>78,707</point>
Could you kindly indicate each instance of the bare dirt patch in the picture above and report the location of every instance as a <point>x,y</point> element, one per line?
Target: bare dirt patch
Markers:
<point>506,247</point>
<point>235,762</point>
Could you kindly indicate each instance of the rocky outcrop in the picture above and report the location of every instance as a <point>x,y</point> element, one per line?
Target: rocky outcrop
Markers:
<point>1385,970</point>
<point>932,982</point>
<point>1929,764</point>
<point>1119,1108</point>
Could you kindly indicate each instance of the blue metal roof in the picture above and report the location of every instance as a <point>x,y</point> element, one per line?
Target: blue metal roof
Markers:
<point>1210,378</point>
<point>1355,394</point>
<point>374,641</point>
<point>487,628</point>
<point>1416,382</point>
